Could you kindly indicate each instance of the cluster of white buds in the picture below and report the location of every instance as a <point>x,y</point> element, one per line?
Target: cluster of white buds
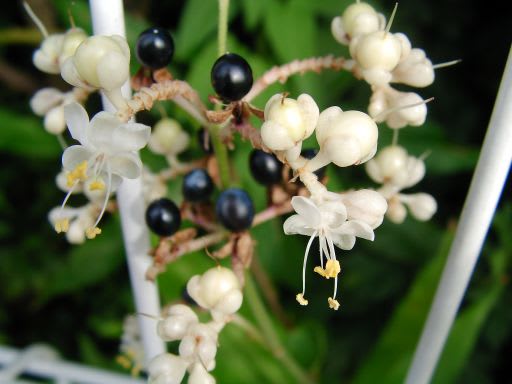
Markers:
<point>100,62</point>
<point>396,170</point>
<point>107,153</point>
<point>218,291</point>
<point>382,58</point>
<point>50,102</point>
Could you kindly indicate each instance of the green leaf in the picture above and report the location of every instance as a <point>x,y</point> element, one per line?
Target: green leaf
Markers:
<point>390,358</point>
<point>466,329</point>
<point>25,136</point>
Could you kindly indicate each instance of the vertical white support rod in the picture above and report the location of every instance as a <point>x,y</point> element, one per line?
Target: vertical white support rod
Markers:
<point>108,19</point>
<point>483,196</point>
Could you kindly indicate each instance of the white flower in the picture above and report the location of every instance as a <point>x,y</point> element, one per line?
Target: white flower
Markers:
<point>397,109</point>
<point>166,369</point>
<point>56,48</point>
<point>200,344</point>
<point>49,102</point>
<point>106,154</point>
<point>377,54</point>
<point>177,322</point>
<point>75,220</point>
<point>168,138</point>
<point>415,70</point>
<point>288,122</point>
<point>345,138</point>
<point>100,62</point>
<point>328,221</point>
<point>358,19</point>
<point>217,290</point>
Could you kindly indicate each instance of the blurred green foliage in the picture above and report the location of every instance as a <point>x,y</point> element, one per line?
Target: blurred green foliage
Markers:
<point>76,297</point>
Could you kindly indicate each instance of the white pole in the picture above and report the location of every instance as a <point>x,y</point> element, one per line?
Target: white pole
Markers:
<point>108,19</point>
<point>40,361</point>
<point>484,193</point>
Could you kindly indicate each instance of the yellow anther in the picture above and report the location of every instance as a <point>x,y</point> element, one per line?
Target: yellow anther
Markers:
<point>91,232</point>
<point>97,185</point>
<point>332,268</point>
<point>333,303</point>
<point>300,298</point>
<point>79,173</point>
<point>61,225</point>
<point>123,361</point>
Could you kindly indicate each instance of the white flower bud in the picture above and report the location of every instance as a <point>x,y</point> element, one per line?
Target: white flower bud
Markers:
<point>387,164</point>
<point>396,212</point>
<point>405,108</point>
<point>415,70</point>
<point>174,327</point>
<point>45,99</point>
<point>54,121</point>
<point>166,366</point>
<point>422,205</point>
<point>168,137</point>
<point>215,286</point>
<point>72,39</point>
<point>357,19</point>
<point>377,54</point>
<point>365,205</point>
<point>288,122</point>
<point>199,375</point>
<point>200,343</point>
<point>99,62</point>
<point>46,58</point>
<point>346,138</point>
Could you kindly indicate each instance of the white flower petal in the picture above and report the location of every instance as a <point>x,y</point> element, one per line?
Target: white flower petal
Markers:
<point>70,75</point>
<point>296,224</point>
<point>338,31</point>
<point>275,136</point>
<point>130,137</point>
<point>113,70</point>
<point>77,121</point>
<point>101,131</point>
<point>126,165</point>
<point>45,99</point>
<point>357,228</point>
<point>308,210</point>
<point>75,155</point>
<point>342,241</point>
<point>422,205</point>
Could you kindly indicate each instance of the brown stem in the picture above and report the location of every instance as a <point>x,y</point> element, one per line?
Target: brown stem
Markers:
<point>282,73</point>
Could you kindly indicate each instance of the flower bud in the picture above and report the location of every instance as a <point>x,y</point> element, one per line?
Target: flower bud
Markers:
<point>405,108</point>
<point>166,368</point>
<point>199,375</point>
<point>200,342</point>
<point>288,122</point>
<point>72,39</point>
<point>396,212</point>
<point>46,58</point>
<point>45,99</point>
<point>216,290</point>
<point>168,137</point>
<point>421,205</point>
<point>54,121</point>
<point>365,205</point>
<point>387,164</point>
<point>357,19</point>
<point>175,325</point>
<point>377,54</point>
<point>98,62</point>
<point>346,138</point>
<point>415,70</point>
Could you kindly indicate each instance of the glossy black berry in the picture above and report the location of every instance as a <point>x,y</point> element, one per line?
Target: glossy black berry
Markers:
<point>155,48</point>
<point>231,77</point>
<point>234,209</point>
<point>265,167</point>
<point>309,153</point>
<point>205,142</point>
<point>163,217</point>
<point>197,185</point>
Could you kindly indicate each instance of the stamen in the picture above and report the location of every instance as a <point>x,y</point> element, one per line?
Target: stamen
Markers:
<point>390,22</point>
<point>79,173</point>
<point>62,224</point>
<point>446,64</point>
<point>94,230</point>
<point>333,303</point>
<point>304,266</point>
<point>39,24</point>
<point>300,298</point>
<point>97,185</point>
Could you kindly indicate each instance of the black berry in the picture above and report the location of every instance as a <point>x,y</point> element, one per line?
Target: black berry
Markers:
<point>234,209</point>
<point>163,217</point>
<point>197,185</point>
<point>309,153</point>
<point>155,48</point>
<point>231,77</point>
<point>265,167</point>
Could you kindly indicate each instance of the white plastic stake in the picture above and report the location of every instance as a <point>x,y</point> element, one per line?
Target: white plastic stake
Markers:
<point>108,19</point>
<point>483,196</point>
